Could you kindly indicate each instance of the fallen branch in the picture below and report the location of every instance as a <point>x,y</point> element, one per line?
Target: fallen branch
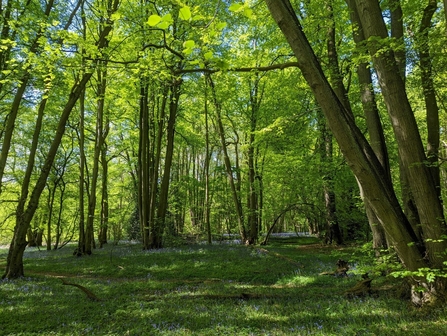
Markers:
<point>342,268</point>
<point>361,288</point>
<point>88,292</point>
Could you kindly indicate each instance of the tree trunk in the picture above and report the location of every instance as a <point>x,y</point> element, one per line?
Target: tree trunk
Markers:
<point>143,164</point>
<point>234,189</point>
<point>411,151</point>
<point>104,190</point>
<point>333,232</point>
<point>81,138</point>
<point>354,146</point>
<point>256,95</point>
<point>99,142</point>
<point>397,32</point>
<point>207,169</point>
<point>14,262</point>
<point>374,126</point>
<point>157,226</point>
<point>356,150</point>
<point>15,106</point>
<point>429,93</point>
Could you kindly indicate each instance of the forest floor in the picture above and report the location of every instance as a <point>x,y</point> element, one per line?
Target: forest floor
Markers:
<point>206,290</point>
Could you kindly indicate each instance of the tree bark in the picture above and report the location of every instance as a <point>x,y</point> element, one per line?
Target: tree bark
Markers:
<point>157,226</point>
<point>431,105</point>
<point>358,153</point>
<point>143,170</point>
<point>207,169</point>
<point>99,142</point>
<point>373,124</point>
<point>256,95</point>
<point>397,32</point>
<point>104,190</point>
<point>411,151</point>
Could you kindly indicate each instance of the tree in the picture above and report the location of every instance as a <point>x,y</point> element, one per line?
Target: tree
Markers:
<point>364,163</point>
<point>26,211</point>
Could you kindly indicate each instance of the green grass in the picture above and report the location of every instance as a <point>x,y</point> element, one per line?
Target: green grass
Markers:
<point>203,290</point>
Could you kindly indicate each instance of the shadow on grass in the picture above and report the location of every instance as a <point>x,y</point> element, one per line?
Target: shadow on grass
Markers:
<point>200,290</point>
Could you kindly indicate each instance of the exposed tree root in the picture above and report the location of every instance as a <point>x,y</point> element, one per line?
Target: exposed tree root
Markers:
<point>88,292</point>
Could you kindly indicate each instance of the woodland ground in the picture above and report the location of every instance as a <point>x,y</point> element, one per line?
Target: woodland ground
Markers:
<point>205,290</point>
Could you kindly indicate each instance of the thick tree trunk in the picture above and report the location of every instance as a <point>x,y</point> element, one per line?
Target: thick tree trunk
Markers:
<point>411,151</point>
<point>353,144</point>
<point>358,153</point>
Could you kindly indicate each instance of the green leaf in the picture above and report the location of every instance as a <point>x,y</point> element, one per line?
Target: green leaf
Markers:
<point>164,24</point>
<point>235,7</point>
<point>189,44</point>
<point>184,13</point>
<point>153,20</point>
<point>248,13</point>
<point>221,25</point>
<point>208,55</point>
<point>167,18</point>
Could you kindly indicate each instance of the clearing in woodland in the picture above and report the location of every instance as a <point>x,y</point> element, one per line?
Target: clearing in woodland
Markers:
<point>207,290</point>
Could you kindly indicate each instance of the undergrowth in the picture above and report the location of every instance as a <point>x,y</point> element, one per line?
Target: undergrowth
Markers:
<point>205,290</point>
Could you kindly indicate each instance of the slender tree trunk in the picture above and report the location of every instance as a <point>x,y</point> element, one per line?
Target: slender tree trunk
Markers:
<point>374,126</point>
<point>234,189</point>
<point>428,87</point>
<point>15,106</point>
<point>256,95</point>
<point>62,187</point>
<point>50,205</point>
<point>143,164</point>
<point>157,227</point>
<point>14,262</point>
<point>157,118</point>
<point>104,190</point>
<point>397,32</point>
<point>81,136</point>
<point>333,232</point>
<point>207,169</point>
<point>99,142</point>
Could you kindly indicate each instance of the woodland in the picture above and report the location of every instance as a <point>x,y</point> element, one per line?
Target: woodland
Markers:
<point>169,121</point>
